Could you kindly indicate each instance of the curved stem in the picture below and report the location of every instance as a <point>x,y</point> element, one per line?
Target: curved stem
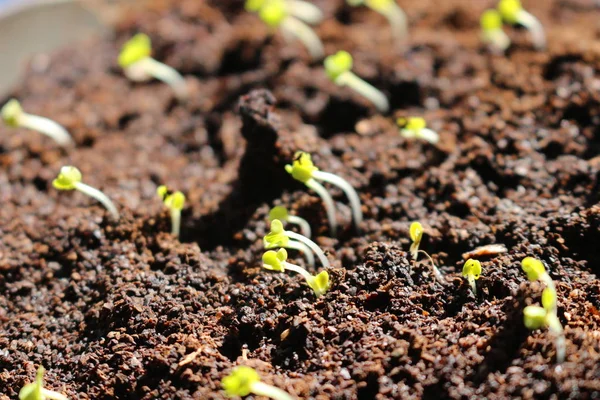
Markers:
<point>556,328</point>
<point>312,245</point>
<point>365,89</point>
<point>297,269</point>
<point>302,223</point>
<point>47,127</point>
<point>304,249</point>
<point>262,389</point>
<point>436,272</point>
<point>175,221</point>
<point>101,197</point>
<point>471,280</point>
<point>327,201</point>
<point>53,395</point>
<point>497,38</point>
<point>306,35</point>
<point>535,27</point>
<point>348,190</point>
<point>304,11</point>
<point>168,75</point>
<point>397,19</point>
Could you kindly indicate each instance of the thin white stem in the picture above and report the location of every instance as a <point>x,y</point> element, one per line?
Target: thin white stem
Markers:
<point>262,389</point>
<point>365,89</point>
<point>335,180</point>
<point>471,280</point>
<point>556,328</point>
<point>535,27</point>
<point>302,223</point>
<point>150,67</point>
<point>305,11</point>
<point>327,201</point>
<point>53,395</point>
<point>436,272</point>
<point>312,245</point>
<point>299,270</point>
<point>175,221</point>
<point>306,35</point>
<point>47,127</point>
<point>397,19</point>
<point>304,249</point>
<point>497,38</point>
<point>101,197</point>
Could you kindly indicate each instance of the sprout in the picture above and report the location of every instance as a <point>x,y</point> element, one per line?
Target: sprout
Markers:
<point>278,13</point>
<point>491,28</point>
<point>416,234</point>
<point>338,66</point>
<point>536,317</point>
<point>14,116</point>
<point>472,271</point>
<point>303,170</point>
<point>389,9</point>
<point>35,390</point>
<point>69,178</point>
<point>244,380</point>
<point>140,67</point>
<point>174,202</point>
<point>277,261</point>
<point>513,13</point>
<point>281,213</point>
<point>279,237</point>
<point>416,127</point>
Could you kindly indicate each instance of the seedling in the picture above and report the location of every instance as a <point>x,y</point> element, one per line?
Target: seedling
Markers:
<point>536,317</point>
<point>174,201</point>
<point>69,178</point>
<point>472,271</point>
<point>281,213</point>
<point>491,30</point>
<point>35,390</point>
<point>303,170</point>
<point>140,67</point>
<point>279,237</point>
<point>338,67</point>
<point>277,14</point>
<point>389,9</point>
<point>277,261</point>
<point>416,234</point>
<point>300,9</point>
<point>416,128</point>
<point>14,116</point>
<point>244,380</point>
<point>513,13</point>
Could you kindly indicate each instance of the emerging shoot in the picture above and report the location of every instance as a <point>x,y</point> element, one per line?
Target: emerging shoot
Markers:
<point>35,390</point>
<point>277,261</point>
<point>389,9</point>
<point>278,14</point>
<point>174,201</point>
<point>14,116</point>
<point>69,178</point>
<point>416,234</point>
<point>472,271</point>
<point>244,380</point>
<point>140,67</point>
<point>338,67</point>
<point>302,169</point>
<point>491,30</point>
<point>281,213</point>
<point>300,9</point>
<point>279,237</point>
<point>536,317</point>
<point>416,128</point>
<point>513,13</point>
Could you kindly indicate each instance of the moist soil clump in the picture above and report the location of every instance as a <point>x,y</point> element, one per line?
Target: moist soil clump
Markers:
<point>124,310</point>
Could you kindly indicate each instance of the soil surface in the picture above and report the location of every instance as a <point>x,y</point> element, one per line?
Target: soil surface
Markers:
<point>124,310</point>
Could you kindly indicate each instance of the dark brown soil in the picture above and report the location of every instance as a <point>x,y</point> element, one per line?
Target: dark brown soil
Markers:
<point>123,310</point>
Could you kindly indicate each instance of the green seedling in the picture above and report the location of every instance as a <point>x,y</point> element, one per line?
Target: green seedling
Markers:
<point>35,390</point>
<point>300,9</point>
<point>276,14</point>
<point>513,13</point>
<point>69,178</point>
<point>244,380</point>
<point>536,317</point>
<point>140,67</point>
<point>416,234</point>
<point>279,237</point>
<point>416,128</point>
<point>14,117</point>
<point>303,170</point>
<point>338,67</point>
<point>491,30</point>
<point>277,261</point>
<point>472,271</point>
<point>174,201</point>
<point>282,214</point>
<point>389,9</point>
